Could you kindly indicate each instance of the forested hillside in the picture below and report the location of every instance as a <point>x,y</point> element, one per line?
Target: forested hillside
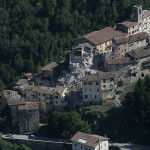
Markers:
<point>35,32</point>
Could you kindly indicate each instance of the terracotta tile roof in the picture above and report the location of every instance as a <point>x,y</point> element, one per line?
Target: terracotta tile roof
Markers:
<point>132,38</point>
<point>128,23</point>
<point>29,106</point>
<point>145,13</point>
<point>46,90</point>
<point>21,82</point>
<point>139,53</point>
<point>16,102</point>
<point>81,45</point>
<point>50,66</point>
<point>101,36</point>
<point>88,140</point>
<point>119,61</point>
<point>101,76</point>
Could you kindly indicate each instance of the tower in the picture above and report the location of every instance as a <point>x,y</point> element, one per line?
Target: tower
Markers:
<point>137,14</point>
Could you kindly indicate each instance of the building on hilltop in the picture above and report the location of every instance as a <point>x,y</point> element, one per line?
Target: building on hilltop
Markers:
<point>83,141</point>
<point>94,85</point>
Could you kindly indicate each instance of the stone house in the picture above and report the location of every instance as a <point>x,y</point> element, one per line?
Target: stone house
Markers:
<point>49,98</point>
<point>128,27</point>
<point>113,65</point>
<point>83,141</point>
<point>25,115</point>
<point>124,44</point>
<point>50,70</point>
<point>94,85</point>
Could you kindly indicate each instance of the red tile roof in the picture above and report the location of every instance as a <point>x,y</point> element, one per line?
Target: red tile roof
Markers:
<point>145,13</point>
<point>89,140</point>
<point>101,36</point>
<point>132,38</point>
<point>128,23</point>
<point>29,106</point>
<point>101,76</point>
<point>119,61</point>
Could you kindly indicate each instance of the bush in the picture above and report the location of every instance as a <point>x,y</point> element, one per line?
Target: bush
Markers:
<point>114,147</point>
<point>120,83</point>
<point>138,149</point>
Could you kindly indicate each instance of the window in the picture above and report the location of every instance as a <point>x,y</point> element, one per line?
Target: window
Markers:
<point>90,83</point>
<point>104,86</point>
<point>139,11</point>
<point>95,97</point>
<point>56,102</point>
<point>86,96</point>
<point>132,32</point>
<point>96,83</point>
<point>97,90</point>
<point>104,81</point>
<point>81,147</point>
<point>56,97</point>
<point>85,83</point>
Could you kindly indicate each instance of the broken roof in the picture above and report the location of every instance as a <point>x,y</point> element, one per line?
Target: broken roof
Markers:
<point>101,76</point>
<point>88,139</point>
<point>119,61</point>
<point>139,53</point>
<point>101,36</point>
<point>128,23</point>
<point>50,66</point>
<point>82,45</point>
<point>145,13</point>
<point>46,90</point>
<point>16,101</point>
<point>29,106</point>
<point>8,93</point>
<point>132,38</point>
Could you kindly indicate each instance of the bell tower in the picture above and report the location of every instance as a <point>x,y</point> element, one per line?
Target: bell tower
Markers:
<point>137,14</point>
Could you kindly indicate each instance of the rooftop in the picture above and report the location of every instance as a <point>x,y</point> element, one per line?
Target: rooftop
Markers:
<point>46,90</point>
<point>16,101</point>
<point>119,61</point>
<point>29,106</point>
<point>83,45</point>
<point>28,74</point>
<point>128,23</point>
<point>21,82</point>
<point>139,53</point>
<point>50,66</point>
<point>102,76</point>
<point>88,139</point>
<point>145,13</point>
<point>132,38</point>
<point>101,36</point>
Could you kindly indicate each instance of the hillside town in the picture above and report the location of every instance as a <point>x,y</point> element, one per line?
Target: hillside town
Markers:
<point>97,62</point>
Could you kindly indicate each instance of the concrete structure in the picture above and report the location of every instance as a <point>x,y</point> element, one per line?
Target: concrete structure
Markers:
<point>94,85</point>
<point>83,141</point>
<point>25,115</point>
<point>49,98</point>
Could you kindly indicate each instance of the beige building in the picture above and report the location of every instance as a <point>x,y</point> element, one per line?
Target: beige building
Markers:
<point>83,141</point>
<point>94,85</point>
<point>49,98</point>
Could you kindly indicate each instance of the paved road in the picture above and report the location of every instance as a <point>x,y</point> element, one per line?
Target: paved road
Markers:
<point>42,139</point>
<point>127,146</point>
<point>123,146</point>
